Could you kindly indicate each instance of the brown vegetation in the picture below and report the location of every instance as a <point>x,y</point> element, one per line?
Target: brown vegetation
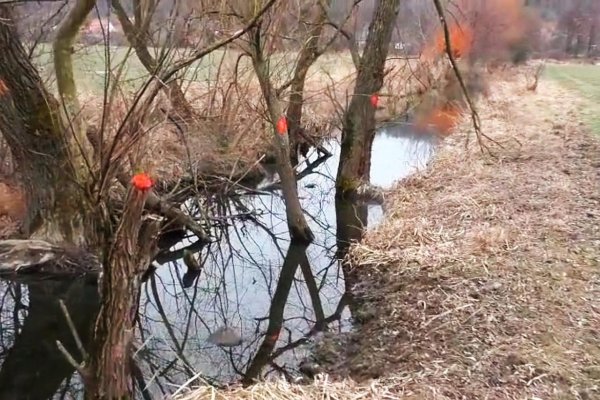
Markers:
<point>482,282</point>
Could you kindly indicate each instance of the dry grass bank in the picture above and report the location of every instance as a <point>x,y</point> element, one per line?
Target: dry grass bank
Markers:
<point>484,280</point>
<point>487,271</point>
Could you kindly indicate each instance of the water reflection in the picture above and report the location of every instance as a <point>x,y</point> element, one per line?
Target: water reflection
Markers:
<point>276,296</point>
<point>31,322</point>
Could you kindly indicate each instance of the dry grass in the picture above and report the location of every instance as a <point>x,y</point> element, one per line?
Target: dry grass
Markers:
<point>484,280</point>
<point>488,269</point>
<point>232,131</point>
<point>321,388</point>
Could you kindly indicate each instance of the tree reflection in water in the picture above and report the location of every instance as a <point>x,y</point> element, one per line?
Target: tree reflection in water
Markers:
<point>31,321</point>
<point>277,295</point>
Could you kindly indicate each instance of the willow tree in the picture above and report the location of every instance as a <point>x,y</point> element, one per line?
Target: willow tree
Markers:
<point>50,153</point>
<point>359,118</point>
<point>75,221</point>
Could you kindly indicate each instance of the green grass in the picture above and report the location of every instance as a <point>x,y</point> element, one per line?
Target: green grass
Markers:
<point>585,80</point>
<point>90,63</point>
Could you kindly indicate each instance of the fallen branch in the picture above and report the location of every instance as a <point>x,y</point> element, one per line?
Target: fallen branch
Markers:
<point>299,176</point>
<point>25,257</point>
<point>153,201</point>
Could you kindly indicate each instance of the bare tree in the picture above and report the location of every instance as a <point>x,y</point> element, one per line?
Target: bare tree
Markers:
<point>258,41</point>
<point>359,119</point>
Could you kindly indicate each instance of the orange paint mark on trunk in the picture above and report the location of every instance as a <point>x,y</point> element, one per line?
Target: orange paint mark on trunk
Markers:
<point>142,182</point>
<point>282,126</point>
<point>375,100</point>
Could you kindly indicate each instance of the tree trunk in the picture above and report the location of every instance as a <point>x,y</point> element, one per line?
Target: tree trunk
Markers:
<point>294,112</point>
<point>578,45</point>
<point>79,147</point>
<point>359,120</point>
<point>110,366</point>
<point>308,56</point>
<point>30,121</point>
<point>569,41</point>
<point>298,227</point>
<point>592,39</point>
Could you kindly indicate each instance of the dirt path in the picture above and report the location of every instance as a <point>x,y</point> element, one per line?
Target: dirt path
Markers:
<point>484,281</point>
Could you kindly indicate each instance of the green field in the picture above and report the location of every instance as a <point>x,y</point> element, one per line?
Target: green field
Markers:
<point>91,61</point>
<point>585,80</point>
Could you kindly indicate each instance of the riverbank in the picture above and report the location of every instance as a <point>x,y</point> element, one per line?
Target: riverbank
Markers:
<point>484,279</point>
<point>484,282</point>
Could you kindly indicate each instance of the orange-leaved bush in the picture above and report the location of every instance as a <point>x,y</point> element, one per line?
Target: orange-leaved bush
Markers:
<point>482,29</point>
<point>461,42</point>
<point>441,119</point>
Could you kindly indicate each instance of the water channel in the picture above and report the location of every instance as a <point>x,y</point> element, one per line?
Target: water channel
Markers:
<point>273,297</point>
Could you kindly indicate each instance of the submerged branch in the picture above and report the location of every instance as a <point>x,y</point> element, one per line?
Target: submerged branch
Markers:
<point>71,325</point>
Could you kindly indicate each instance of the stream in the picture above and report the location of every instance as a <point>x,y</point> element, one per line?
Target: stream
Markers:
<point>274,299</point>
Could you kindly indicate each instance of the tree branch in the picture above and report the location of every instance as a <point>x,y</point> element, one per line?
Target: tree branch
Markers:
<point>203,52</point>
<point>474,114</point>
<point>63,51</point>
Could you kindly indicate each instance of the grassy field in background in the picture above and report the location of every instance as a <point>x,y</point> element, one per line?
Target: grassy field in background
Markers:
<point>90,62</point>
<point>585,80</point>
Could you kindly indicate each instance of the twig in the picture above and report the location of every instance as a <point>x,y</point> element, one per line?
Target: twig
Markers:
<point>78,367</point>
<point>474,114</point>
<point>450,311</point>
<point>78,342</point>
